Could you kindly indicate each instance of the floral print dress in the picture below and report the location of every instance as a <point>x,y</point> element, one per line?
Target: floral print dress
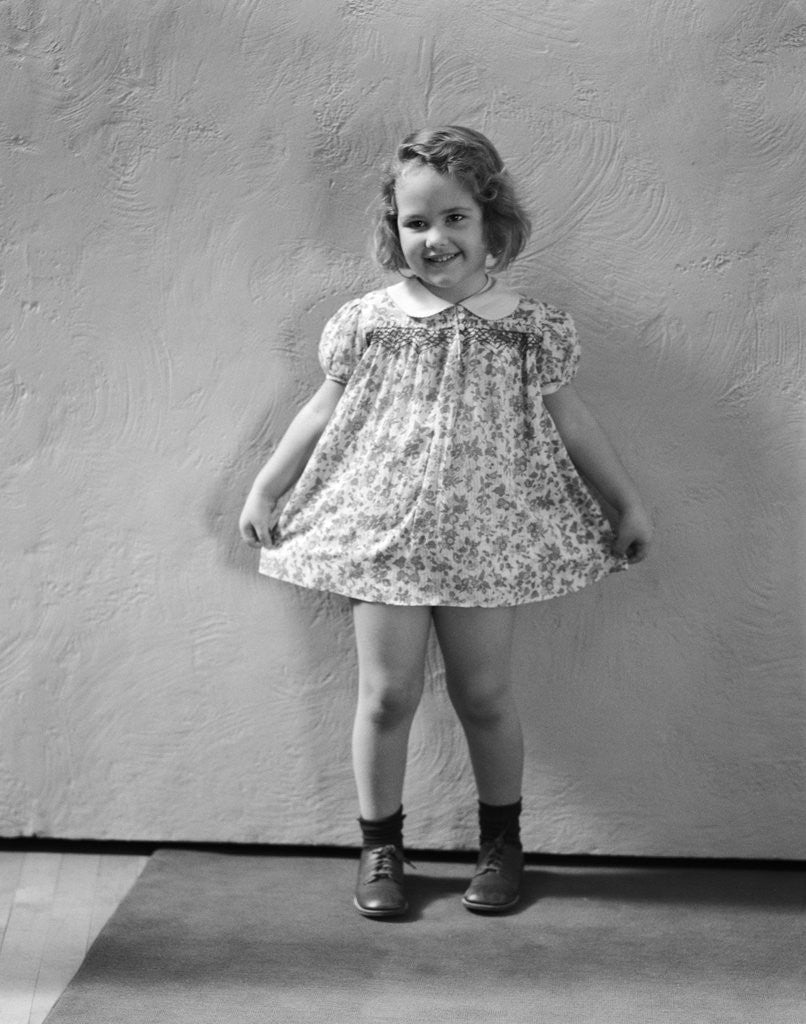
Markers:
<point>441,478</point>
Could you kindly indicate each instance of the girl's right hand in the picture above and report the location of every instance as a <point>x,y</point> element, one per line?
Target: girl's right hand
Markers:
<point>633,534</point>
<point>257,519</point>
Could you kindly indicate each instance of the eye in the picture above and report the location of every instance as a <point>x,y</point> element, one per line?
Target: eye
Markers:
<point>414,225</point>
<point>454,218</point>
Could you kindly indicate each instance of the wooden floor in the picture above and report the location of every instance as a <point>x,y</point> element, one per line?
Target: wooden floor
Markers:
<point>52,905</point>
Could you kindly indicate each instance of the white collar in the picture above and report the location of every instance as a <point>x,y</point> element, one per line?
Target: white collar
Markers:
<point>493,303</point>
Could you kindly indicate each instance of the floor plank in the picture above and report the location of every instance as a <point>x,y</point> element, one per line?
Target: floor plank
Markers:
<point>25,935</point>
<point>52,906</point>
<point>10,870</point>
<point>116,876</point>
<point>67,938</point>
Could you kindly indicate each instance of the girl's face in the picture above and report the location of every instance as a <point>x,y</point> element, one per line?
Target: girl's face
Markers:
<point>441,231</point>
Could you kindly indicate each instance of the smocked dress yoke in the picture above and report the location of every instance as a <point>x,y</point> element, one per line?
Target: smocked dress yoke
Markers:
<point>441,478</point>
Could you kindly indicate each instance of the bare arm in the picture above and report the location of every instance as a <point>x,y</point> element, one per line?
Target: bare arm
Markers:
<point>286,464</point>
<point>597,461</point>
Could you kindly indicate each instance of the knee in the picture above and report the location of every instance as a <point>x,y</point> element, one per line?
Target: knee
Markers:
<point>386,703</point>
<point>482,703</point>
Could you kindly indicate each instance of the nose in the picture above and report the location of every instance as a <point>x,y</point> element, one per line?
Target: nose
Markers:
<point>433,237</point>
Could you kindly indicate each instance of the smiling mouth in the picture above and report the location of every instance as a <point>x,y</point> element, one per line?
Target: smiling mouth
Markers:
<point>442,259</point>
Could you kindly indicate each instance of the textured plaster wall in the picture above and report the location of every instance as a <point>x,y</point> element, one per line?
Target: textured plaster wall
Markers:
<point>184,196</point>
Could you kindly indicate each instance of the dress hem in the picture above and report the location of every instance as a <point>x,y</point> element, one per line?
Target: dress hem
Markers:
<point>441,602</point>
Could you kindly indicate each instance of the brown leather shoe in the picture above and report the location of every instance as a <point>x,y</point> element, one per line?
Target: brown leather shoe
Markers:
<point>379,891</point>
<point>495,887</point>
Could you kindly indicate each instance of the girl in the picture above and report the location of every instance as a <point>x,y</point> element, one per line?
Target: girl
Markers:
<point>442,476</point>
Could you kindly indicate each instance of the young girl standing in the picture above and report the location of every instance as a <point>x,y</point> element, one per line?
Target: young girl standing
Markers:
<point>440,475</point>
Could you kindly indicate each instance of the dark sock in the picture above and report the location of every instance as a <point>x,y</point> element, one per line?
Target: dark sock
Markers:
<point>383,831</point>
<point>500,821</point>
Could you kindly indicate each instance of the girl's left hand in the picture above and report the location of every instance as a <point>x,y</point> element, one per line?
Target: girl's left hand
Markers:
<point>633,534</point>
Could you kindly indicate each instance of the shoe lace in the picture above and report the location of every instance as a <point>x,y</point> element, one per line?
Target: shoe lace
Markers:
<point>382,863</point>
<point>494,858</point>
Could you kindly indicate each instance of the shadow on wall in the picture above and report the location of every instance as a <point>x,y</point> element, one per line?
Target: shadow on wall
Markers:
<point>679,685</point>
<point>224,503</point>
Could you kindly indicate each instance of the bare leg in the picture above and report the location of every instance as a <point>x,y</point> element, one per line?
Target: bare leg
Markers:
<point>476,645</point>
<point>391,643</point>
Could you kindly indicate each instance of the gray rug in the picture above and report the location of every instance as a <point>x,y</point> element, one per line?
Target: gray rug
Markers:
<point>207,938</point>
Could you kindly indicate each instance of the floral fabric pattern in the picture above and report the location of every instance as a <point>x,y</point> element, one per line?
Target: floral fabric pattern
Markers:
<point>441,478</point>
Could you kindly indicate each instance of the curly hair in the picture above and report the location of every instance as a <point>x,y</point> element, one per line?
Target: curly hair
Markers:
<point>468,157</point>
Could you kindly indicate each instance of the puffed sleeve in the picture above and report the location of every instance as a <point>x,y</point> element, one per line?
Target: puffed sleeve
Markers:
<point>343,342</point>
<point>559,351</point>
